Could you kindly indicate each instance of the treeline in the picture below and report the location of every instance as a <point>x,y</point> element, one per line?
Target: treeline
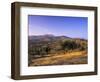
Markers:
<point>74,45</point>
<point>40,50</point>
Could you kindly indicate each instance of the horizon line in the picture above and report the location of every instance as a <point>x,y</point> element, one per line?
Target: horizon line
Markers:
<point>59,35</point>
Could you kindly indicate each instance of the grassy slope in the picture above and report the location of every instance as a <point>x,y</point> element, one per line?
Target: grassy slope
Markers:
<point>75,57</point>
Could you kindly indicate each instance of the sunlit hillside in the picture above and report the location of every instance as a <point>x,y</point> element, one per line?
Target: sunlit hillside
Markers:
<point>46,50</point>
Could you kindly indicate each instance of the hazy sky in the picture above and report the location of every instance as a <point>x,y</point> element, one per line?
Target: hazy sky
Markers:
<point>75,27</point>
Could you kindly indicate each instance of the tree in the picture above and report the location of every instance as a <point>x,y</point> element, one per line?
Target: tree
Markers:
<point>70,45</point>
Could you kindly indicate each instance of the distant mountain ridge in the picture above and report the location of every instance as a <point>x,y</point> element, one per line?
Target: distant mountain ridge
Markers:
<point>50,37</point>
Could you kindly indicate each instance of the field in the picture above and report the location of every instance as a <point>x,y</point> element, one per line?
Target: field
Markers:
<point>67,58</point>
<point>56,50</point>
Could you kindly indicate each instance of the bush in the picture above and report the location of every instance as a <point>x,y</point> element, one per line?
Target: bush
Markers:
<point>72,45</point>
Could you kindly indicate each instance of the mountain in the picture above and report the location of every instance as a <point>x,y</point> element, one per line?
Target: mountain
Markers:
<point>46,37</point>
<point>56,43</point>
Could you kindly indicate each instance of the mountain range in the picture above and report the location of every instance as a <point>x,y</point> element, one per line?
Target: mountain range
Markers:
<point>50,37</point>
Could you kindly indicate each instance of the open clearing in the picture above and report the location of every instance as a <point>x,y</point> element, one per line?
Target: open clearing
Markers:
<point>75,57</point>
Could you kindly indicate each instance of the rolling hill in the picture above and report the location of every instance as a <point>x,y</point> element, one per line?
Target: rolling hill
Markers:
<point>44,48</point>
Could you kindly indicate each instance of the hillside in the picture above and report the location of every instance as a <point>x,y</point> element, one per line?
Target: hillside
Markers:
<point>43,48</point>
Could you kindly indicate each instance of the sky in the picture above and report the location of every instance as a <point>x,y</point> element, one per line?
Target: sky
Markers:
<point>74,27</point>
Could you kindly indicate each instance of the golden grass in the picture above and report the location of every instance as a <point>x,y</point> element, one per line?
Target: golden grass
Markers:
<point>75,57</point>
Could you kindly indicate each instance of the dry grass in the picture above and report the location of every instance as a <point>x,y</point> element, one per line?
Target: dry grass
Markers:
<point>75,57</point>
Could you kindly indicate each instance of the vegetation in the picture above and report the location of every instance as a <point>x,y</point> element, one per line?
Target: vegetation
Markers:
<point>47,46</point>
